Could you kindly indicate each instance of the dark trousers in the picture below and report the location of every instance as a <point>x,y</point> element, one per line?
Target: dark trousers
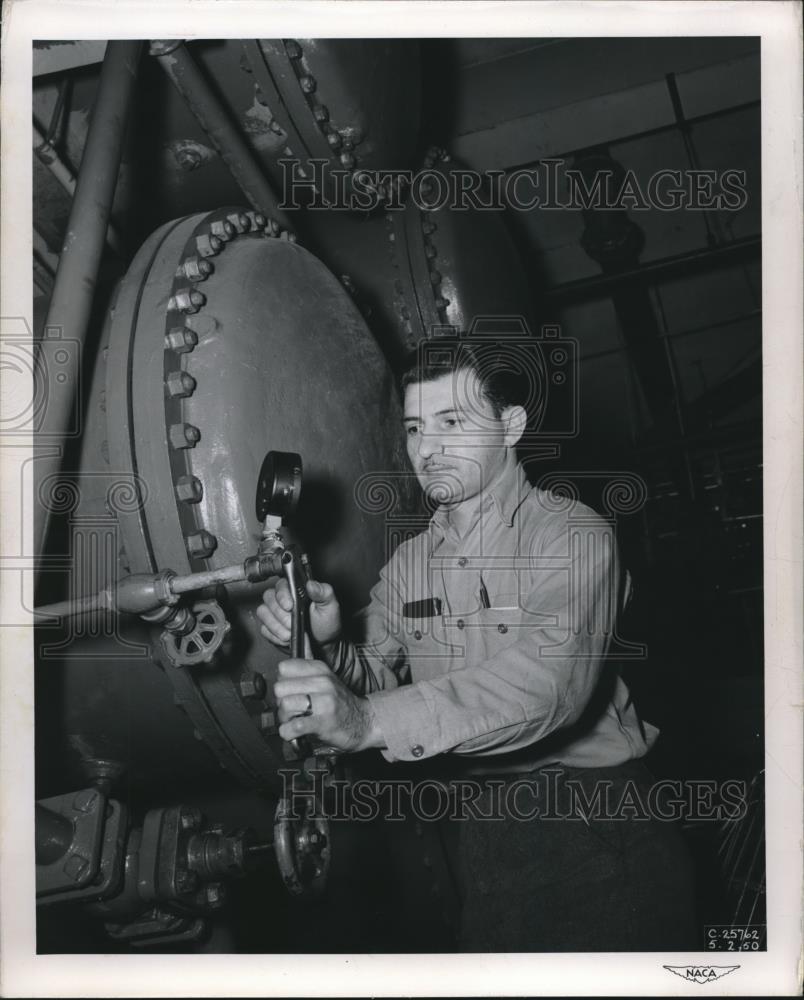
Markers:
<point>615,882</point>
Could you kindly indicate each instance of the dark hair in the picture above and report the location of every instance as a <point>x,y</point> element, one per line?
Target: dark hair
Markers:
<point>499,371</point>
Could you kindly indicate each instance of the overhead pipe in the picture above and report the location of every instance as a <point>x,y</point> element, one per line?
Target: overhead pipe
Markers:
<point>48,157</point>
<point>79,263</point>
<point>180,66</point>
<point>695,262</point>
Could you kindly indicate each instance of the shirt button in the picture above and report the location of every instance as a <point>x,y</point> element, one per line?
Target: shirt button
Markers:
<point>417,634</point>
<point>463,561</point>
<point>417,751</point>
<point>502,628</point>
<point>460,623</point>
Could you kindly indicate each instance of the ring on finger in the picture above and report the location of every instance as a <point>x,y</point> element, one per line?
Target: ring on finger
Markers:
<point>309,709</point>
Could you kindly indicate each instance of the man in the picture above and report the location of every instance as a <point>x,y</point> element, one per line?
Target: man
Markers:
<point>485,641</point>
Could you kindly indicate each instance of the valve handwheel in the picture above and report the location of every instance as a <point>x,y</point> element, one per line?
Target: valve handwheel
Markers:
<point>202,643</point>
<point>301,843</point>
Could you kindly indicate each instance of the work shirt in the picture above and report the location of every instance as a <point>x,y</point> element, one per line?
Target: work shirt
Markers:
<point>494,642</point>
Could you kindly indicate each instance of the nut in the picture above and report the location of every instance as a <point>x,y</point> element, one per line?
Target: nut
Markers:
<point>293,49</point>
<point>184,435</point>
<point>195,269</point>
<point>253,686</point>
<point>208,245</point>
<point>201,544</point>
<point>307,84</point>
<point>223,229</point>
<point>189,489</point>
<point>267,722</point>
<point>240,221</point>
<point>181,340</point>
<point>188,300</point>
<point>321,114</point>
<point>180,384</point>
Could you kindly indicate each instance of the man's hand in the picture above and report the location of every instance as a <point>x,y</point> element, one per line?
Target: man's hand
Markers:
<point>339,718</point>
<point>325,613</point>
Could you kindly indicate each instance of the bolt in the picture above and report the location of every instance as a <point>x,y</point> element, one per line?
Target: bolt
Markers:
<point>201,544</point>
<point>208,245</point>
<point>253,686</point>
<point>429,251</point>
<point>195,269</point>
<point>181,340</point>
<point>188,300</point>
<point>184,435</point>
<point>428,228</point>
<point>102,400</point>
<point>307,84</point>
<point>85,801</point>
<point>293,49</point>
<point>321,114</point>
<point>276,128</point>
<point>189,489</point>
<point>190,817</point>
<point>273,225</point>
<point>334,139</point>
<point>347,161</point>
<point>258,220</point>
<point>435,277</point>
<point>179,384</point>
<point>223,229</point>
<point>441,302</point>
<point>240,221</point>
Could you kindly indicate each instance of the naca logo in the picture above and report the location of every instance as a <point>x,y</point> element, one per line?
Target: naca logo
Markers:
<point>701,973</point>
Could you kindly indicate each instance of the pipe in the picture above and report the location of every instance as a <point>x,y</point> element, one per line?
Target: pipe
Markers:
<point>696,262</point>
<point>71,302</point>
<point>179,65</point>
<point>48,156</point>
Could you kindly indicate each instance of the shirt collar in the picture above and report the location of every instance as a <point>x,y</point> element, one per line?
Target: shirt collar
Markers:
<point>504,499</point>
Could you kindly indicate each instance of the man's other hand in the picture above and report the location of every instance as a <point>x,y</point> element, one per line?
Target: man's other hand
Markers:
<point>325,613</point>
<point>312,701</point>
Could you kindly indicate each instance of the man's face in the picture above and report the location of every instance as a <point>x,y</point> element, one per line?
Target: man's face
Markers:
<point>455,443</point>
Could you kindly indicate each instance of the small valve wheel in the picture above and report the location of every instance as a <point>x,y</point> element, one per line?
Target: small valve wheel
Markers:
<point>301,843</point>
<point>202,643</point>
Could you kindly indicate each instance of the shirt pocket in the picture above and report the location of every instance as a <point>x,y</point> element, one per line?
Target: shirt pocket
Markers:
<point>430,652</point>
<point>484,632</point>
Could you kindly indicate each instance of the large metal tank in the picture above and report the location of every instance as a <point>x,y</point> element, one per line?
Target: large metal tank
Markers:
<point>226,339</point>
